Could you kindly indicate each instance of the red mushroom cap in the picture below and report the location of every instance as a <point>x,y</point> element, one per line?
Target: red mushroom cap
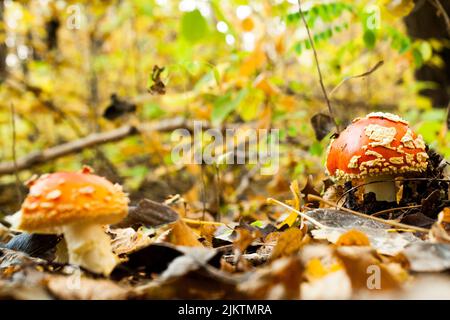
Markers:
<point>68,197</point>
<point>380,143</point>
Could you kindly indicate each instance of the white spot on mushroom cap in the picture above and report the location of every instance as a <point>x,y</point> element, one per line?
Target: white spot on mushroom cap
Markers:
<point>419,143</point>
<point>408,140</point>
<point>353,164</point>
<point>54,194</point>
<point>86,190</point>
<point>35,193</point>
<point>380,135</point>
<point>396,160</point>
<point>46,205</point>
<point>386,115</point>
<point>373,153</point>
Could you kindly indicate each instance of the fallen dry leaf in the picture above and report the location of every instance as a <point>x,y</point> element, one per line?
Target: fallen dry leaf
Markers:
<point>182,235</point>
<point>288,243</point>
<point>440,231</point>
<point>128,240</point>
<point>79,287</point>
<point>380,235</point>
<point>353,238</point>
<point>365,269</point>
<point>279,280</point>
<point>244,238</point>
<point>428,257</point>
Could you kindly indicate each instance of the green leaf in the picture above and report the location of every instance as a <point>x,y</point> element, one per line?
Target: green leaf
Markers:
<point>369,38</point>
<point>298,47</point>
<point>257,223</point>
<point>316,149</point>
<point>426,50</point>
<point>307,44</point>
<point>250,104</point>
<point>152,111</point>
<point>194,26</point>
<point>417,55</point>
<point>144,7</point>
<point>224,105</point>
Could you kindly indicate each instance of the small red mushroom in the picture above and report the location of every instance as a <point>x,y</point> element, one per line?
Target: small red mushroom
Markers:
<point>77,205</point>
<point>378,147</point>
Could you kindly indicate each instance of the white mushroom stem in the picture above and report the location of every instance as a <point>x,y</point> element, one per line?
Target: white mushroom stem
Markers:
<point>90,247</point>
<point>384,189</point>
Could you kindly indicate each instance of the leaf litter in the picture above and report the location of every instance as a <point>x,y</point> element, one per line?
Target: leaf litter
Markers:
<point>299,252</point>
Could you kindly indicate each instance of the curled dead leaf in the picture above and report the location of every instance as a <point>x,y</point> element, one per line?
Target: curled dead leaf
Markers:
<point>128,240</point>
<point>244,238</point>
<point>279,280</point>
<point>182,235</point>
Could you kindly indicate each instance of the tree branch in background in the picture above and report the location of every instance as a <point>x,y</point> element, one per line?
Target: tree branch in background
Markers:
<point>40,157</point>
<point>441,11</point>
<point>330,109</point>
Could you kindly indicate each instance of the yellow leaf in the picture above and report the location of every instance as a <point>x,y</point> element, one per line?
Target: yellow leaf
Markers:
<point>353,238</point>
<point>444,216</point>
<point>315,268</point>
<point>253,62</point>
<point>289,242</point>
<point>398,8</point>
<point>296,193</point>
<point>289,221</point>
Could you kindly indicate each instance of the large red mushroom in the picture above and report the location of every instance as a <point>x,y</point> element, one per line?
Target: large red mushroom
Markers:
<point>378,147</point>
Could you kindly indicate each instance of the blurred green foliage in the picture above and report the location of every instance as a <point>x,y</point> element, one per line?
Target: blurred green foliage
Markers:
<point>234,61</point>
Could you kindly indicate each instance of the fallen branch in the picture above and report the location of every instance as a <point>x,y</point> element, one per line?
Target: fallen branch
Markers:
<point>40,157</point>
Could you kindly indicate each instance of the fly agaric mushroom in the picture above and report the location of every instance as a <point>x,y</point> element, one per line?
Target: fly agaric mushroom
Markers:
<point>378,147</point>
<point>76,205</point>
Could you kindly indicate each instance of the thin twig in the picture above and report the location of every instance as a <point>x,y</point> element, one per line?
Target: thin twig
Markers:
<point>365,74</point>
<point>202,222</point>
<point>312,197</point>
<point>441,11</point>
<point>302,214</point>
<point>14,155</point>
<point>379,213</point>
<point>330,109</point>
